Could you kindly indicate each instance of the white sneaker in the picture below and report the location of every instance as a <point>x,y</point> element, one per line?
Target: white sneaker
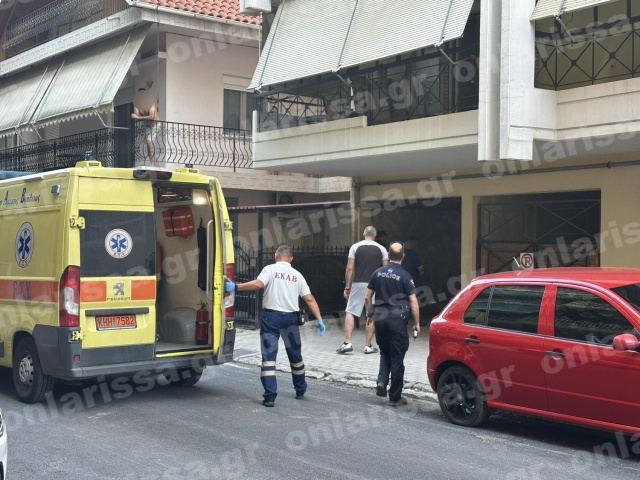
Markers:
<point>370,349</point>
<point>345,347</point>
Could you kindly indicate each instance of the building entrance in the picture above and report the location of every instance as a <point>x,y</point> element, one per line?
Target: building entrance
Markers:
<point>560,230</point>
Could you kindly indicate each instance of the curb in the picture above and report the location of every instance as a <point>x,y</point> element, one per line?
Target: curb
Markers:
<point>413,390</point>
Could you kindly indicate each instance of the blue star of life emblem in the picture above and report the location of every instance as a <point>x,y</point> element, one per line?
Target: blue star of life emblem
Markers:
<point>118,243</point>
<point>24,244</point>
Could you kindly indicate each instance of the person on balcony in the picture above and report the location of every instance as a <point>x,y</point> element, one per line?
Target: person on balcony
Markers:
<point>144,108</point>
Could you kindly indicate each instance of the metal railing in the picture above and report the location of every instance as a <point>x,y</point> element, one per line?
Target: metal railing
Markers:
<point>422,85</point>
<point>51,21</point>
<point>161,144</point>
<point>322,268</point>
<point>598,53</point>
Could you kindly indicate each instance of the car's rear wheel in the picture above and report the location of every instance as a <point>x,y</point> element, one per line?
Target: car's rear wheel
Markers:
<point>30,382</point>
<point>461,397</point>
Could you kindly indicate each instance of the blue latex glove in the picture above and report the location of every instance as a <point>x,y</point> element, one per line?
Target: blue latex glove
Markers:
<point>229,286</point>
<point>320,328</point>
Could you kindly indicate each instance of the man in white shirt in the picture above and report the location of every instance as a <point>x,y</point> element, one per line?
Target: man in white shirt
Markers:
<point>283,285</point>
<point>364,258</point>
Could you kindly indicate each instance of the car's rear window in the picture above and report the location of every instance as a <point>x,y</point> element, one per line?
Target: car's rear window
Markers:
<point>116,243</point>
<point>508,307</point>
<point>631,293</point>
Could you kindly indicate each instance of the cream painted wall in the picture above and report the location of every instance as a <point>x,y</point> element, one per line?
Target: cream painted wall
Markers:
<point>620,198</point>
<point>195,69</point>
<point>331,228</point>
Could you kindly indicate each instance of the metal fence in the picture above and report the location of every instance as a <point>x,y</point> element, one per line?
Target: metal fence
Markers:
<point>600,52</point>
<point>165,143</point>
<point>51,21</point>
<point>424,83</point>
<point>322,267</point>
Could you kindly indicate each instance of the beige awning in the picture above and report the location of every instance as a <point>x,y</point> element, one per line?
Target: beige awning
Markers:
<point>80,83</point>
<point>555,8</point>
<point>311,37</point>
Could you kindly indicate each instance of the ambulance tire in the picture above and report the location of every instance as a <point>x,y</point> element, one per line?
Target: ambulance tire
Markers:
<point>188,377</point>
<point>30,382</point>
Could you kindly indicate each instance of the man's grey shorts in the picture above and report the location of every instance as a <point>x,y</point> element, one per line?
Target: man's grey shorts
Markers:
<point>355,304</point>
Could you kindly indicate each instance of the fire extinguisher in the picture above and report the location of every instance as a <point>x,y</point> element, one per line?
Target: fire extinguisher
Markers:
<point>202,325</point>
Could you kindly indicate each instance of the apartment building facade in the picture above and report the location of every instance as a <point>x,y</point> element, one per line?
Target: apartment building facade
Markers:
<point>494,132</point>
<point>70,71</point>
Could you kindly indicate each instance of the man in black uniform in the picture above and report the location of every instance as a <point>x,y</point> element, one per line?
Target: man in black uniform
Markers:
<point>395,300</point>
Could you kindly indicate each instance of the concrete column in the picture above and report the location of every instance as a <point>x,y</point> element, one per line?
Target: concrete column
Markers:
<point>517,69</point>
<point>489,95</point>
<point>468,229</point>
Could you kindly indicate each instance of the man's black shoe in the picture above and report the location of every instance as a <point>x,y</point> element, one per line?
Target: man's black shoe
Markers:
<point>381,390</point>
<point>268,402</point>
<point>299,395</point>
<point>398,403</point>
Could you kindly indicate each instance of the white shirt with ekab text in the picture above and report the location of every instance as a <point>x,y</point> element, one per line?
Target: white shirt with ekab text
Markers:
<point>283,285</point>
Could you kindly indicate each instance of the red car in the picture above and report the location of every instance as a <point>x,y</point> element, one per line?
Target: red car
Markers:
<point>557,343</point>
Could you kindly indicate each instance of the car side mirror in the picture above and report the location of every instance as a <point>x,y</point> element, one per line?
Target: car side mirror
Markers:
<point>625,341</point>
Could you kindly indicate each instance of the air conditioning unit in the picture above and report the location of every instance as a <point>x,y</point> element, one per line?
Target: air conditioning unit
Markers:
<point>255,7</point>
<point>285,199</point>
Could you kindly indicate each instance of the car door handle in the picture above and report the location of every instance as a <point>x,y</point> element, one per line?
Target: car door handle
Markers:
<point>554,353</point>
<point>471,340</point>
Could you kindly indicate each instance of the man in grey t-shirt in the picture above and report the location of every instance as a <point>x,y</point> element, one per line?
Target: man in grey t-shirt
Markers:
<point>364,258</point>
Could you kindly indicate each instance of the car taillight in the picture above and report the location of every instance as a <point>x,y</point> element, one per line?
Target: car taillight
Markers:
<point>230,298</point>
<point>69,297</point>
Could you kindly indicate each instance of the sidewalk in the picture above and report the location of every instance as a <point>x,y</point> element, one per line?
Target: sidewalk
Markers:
<point>353,368</point>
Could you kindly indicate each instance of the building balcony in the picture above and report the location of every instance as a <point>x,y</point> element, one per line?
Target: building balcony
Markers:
<point>171,144</point>
<point>35,27</point>
<point>392,114</point>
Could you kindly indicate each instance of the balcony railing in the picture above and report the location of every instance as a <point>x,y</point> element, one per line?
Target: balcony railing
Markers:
<point>54,20</point>
<point>597,53</point>
<point>424,84</point>
<point>165,143</point>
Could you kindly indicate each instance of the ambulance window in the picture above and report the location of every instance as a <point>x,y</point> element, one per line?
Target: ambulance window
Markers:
<point>117,244</point>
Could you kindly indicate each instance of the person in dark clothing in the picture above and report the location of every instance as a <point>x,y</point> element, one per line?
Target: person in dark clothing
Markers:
<point>411,261</point>
<point>395,300</point>
<point>381,238</point>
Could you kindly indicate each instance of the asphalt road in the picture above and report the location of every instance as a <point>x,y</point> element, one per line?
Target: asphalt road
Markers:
<point>218,429</point>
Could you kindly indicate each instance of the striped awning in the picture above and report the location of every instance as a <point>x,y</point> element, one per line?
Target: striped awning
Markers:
<point>555,8</point>
<point>310,37</point>
<point>80,83</point>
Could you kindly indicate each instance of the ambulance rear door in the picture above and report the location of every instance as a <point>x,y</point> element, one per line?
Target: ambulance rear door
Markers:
<point>117,271</point>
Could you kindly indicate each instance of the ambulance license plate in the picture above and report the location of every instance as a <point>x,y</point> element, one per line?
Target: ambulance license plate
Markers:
<point>114,322</point>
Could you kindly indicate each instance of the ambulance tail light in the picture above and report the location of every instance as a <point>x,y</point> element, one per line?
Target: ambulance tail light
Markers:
<point>69,297</point>
<point>230,297</point>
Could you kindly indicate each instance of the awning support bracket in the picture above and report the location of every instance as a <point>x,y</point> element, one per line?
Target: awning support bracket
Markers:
<point>564,27</point>
<point>108,126</point>
<point>346,37</point>
<point>441,41</point>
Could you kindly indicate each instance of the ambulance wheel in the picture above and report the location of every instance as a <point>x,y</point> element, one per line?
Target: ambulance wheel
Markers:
<point>188,377</point>
<point>30,382</point>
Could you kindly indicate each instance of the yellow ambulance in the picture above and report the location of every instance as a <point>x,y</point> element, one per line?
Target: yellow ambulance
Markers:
<point>113,272</point>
